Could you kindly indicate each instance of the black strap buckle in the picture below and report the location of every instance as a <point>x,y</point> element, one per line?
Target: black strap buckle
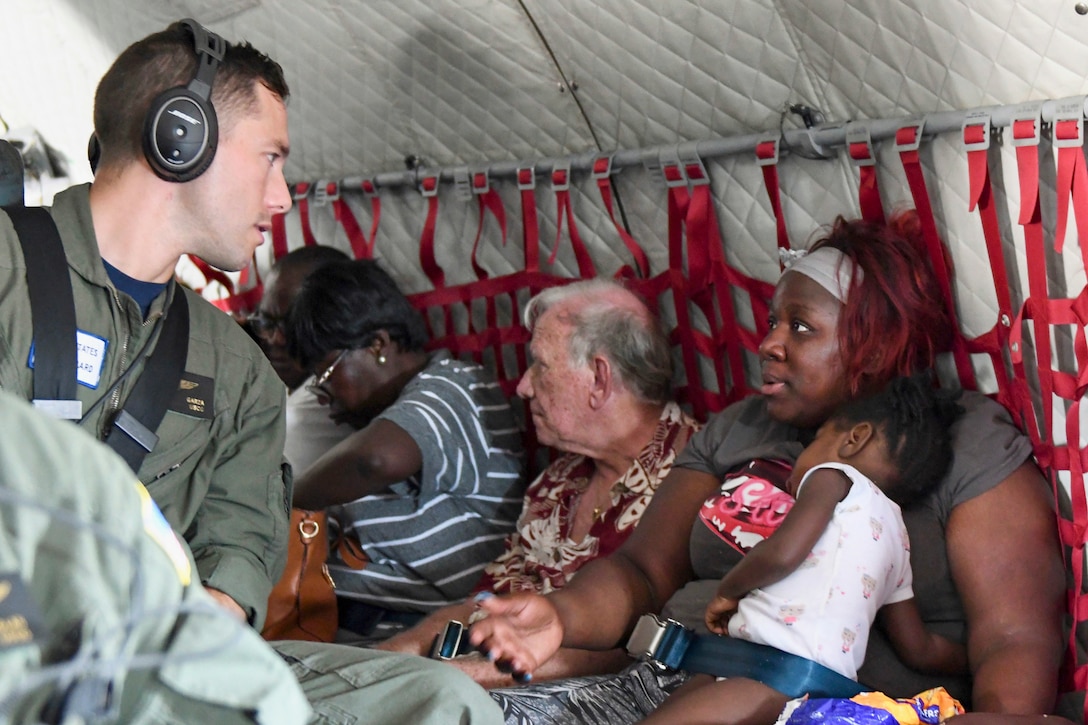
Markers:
<point>451,642</point>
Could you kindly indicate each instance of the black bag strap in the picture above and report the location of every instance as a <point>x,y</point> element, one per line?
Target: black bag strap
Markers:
<point>53,316</point>
<point>133,432</point>
<point>52,307</point>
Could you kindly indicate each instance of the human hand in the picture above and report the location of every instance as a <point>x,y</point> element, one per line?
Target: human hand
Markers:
<point>718,613</point>
<point>519,633</point>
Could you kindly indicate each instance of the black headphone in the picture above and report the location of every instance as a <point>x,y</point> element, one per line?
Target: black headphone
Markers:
<point>181,131</point>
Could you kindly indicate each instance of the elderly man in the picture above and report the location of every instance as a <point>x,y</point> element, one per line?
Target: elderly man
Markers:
<point>599,389</point>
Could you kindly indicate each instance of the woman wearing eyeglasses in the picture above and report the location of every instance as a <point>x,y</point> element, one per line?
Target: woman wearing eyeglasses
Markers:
<point>431,481</point>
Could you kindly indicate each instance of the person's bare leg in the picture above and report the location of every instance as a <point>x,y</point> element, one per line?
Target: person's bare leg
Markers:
<point>736,701</point>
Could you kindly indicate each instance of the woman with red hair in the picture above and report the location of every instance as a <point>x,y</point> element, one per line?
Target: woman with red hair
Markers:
<point>860,308</point>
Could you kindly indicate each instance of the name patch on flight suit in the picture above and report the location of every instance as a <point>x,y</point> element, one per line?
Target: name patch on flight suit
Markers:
<point>21,621</point>
<point>194,397</point>
<point>90,356</point>
<point>156,527</point>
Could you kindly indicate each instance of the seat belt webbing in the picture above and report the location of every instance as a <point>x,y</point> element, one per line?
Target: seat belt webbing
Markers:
<point>52,306</point>
<point>133,432</point>
<point>53,315</point>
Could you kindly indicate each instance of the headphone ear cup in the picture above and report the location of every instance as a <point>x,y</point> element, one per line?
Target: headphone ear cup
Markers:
<point>94,152</point>
<point>181,133</point>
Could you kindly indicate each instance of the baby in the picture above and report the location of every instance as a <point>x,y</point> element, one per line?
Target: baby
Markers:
<point>814,587</point>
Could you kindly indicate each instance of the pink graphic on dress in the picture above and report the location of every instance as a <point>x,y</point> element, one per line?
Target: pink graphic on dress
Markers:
<point>750,504</point>
<point>848,638</point>
<point>788,613</point>
<point>878,528</point>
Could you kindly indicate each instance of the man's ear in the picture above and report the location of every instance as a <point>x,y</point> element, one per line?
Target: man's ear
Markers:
<point>855,438</point>
<point>602,382</point>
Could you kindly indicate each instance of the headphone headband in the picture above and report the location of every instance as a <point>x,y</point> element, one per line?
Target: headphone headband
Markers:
<point>210,49</point>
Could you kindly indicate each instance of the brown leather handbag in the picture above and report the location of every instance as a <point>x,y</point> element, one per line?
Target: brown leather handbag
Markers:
<point>303,603</point>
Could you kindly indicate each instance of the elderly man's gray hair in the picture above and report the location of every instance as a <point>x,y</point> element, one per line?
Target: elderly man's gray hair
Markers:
<point>610,320</point>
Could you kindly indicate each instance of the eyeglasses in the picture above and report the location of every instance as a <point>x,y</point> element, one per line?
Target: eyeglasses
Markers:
<point>317,388</point>
<point>266,326</point>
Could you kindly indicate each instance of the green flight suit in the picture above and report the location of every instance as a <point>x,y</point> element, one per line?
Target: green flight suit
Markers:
<point>216,470</point>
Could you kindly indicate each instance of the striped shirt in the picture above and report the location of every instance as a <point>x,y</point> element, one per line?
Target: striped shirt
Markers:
<point>429,537</point>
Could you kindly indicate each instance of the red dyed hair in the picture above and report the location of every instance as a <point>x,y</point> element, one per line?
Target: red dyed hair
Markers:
<point>894,321</point>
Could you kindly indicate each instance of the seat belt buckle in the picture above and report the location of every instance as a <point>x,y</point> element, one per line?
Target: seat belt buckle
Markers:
<point>451,642</point>
<point>694,168</point>
<point>976,131</point>
<point>326,192</point>
<point>859,145</point>
<point>1068,124</point>
<point>661,643</point>
<point>63,409</point>
<point>1027,124</point>
<point>526,178</point>
<point>137,431</point>
<point>768,149</point>
<point>909,136</point>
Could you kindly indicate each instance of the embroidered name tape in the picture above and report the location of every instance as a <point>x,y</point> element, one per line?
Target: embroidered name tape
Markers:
<point>194,396</point>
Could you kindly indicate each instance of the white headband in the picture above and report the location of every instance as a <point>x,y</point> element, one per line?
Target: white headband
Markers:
<point>827,267</point>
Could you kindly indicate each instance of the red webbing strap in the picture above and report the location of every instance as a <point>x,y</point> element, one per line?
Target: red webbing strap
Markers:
<point>501,336</point>
<point>859,146</point>
<point>1074,533</point>
<point>907,142</point>
<point>238,303</point>
<point>489,200</point>
<point>767,159</point>
<point>1025,138</point>
<point>561,186</point>
<point>241,303</point>
<point>530,226</point>
<point>602,173</point>
<point>530,240</point>
<point>428,186</point>
<point>1072,184</point>
<point>279,236</point>
<point>370,191</point>
<point>704,232</point>
<point>211,274</point>
<point>704,276</point>
<point>1012,391</point>
<point>1044,312</point>
<point>343,214</point>
<point>302,202</point>
<point>1072,181</point>
<point>684,332</point>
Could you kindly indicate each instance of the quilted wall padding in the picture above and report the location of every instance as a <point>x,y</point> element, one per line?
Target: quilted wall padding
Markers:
<point>462,83</point>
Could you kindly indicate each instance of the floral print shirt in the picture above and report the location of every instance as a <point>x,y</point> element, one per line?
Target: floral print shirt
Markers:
<point>540,556</point>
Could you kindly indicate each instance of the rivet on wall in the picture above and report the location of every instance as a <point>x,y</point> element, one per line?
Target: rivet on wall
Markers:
<point>1081,8</point>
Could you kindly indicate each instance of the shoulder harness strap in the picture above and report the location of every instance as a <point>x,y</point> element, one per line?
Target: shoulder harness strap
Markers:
<point>52,309</point>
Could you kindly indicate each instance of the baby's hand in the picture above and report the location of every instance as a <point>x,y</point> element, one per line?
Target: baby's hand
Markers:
<point>718,613</point>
